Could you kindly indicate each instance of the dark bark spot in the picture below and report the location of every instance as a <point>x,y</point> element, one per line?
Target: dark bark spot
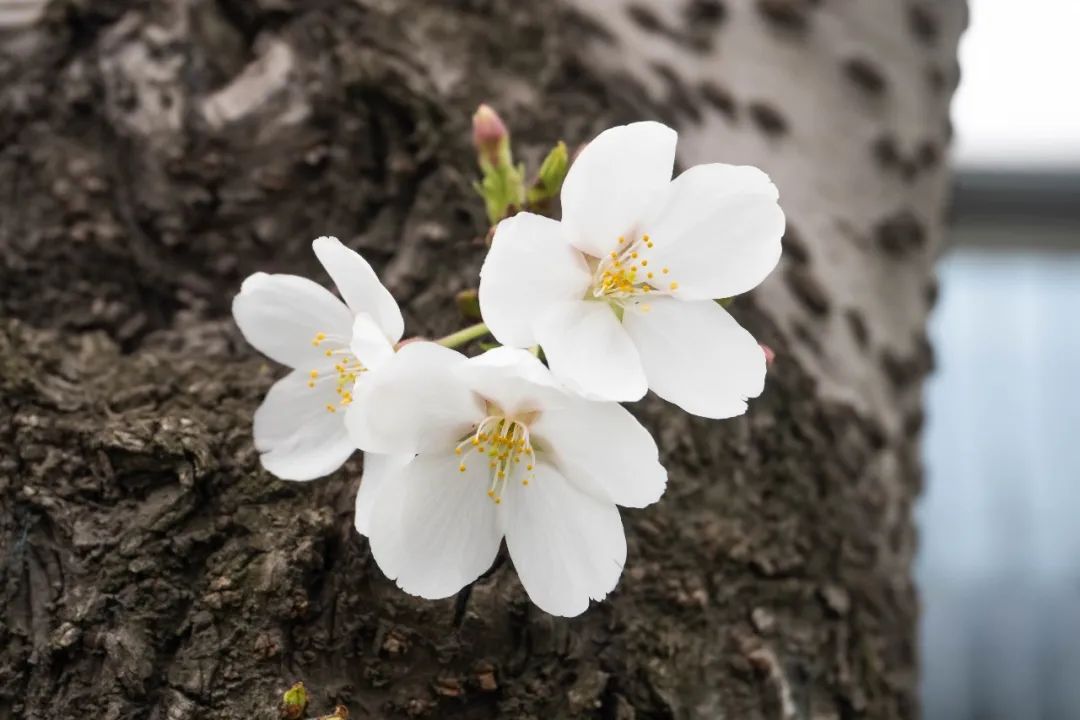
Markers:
<point>931,292</point>
<point>935,78</point>
<point>768,119</point>
<point>808,337</point>
<point>679,96</point>
<point>857,323</point>
<point>901,370</point>
<point>909,168</point>
<point>794,246</point>
<point>708,12</point>
<point>866,75</point>
<point>900,233</point>
<point>788,14</point>
<point>887,151</point>
<point>874,432</point>
<point>923,23</point>
<point>929,154</point>
<point>646,19</point>
<point>719,98</point>
<point>914,421</point>
<point>807,288</point>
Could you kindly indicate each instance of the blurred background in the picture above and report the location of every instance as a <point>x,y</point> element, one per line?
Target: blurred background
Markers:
<point>999,564</point>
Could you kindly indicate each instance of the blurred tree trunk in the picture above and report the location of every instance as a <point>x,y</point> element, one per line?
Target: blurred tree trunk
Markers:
<point>153,154</point>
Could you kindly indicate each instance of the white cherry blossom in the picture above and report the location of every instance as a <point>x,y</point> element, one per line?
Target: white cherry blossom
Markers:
<point>493,447</point>
<point>330,345</point>
<point>620,293</point>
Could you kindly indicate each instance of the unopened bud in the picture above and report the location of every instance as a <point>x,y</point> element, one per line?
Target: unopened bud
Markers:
<point>553,169</point>
<point>770,355</point>
<point>490,137</point>
<point>550,177</point>
<point>468,304</point>
<point>294,702</point>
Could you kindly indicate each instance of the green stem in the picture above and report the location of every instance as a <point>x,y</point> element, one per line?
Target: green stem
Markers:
<point>463,336</point>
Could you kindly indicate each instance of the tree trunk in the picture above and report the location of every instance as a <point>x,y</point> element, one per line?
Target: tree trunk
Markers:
<point>154,154</point>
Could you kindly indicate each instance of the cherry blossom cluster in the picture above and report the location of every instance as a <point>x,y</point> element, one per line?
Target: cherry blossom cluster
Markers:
<point>462,453</point>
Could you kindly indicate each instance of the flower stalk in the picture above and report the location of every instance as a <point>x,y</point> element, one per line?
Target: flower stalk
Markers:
<point>464,336</point>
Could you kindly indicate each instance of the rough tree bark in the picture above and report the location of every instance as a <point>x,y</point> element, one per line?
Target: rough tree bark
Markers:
<point>153,154</point>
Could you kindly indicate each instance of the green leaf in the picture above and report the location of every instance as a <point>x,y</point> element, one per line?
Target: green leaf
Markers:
<point>550,178</point>
<point>294,702</point>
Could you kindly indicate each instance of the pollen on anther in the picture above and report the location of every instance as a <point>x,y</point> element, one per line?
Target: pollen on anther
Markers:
<point>528,467</point>
<point>665,270</point>
<point>524,482</point>
<point>644,263</point>
<point>311,383</point>
<point>674,286</point>
<point>461,467</point>
<point>649,276</point>
<point>457,451</point>
<point>330,408</point>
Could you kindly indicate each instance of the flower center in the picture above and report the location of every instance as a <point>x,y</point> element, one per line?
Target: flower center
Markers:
<point>503,443</point>
<point>346,368</point>
<point>625,273</point>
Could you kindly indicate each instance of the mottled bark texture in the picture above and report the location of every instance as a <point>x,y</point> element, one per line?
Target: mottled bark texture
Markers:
<point>152,154</point>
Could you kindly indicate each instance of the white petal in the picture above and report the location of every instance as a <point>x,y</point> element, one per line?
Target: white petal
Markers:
<point>528,267</point>
<point>298,437</point>
<point>697,356</point>
<point>613,181</point>
<point>280,314</point>
<point>415,401</point>
<point>567,546</point>
<point>376,469</point>
<point>514,379</point>
<point>369,344</point>
<point>718,229</point>
<point>359,285</point>
<point>601,448</point>
<point>588,349</point>
<point>433,529</point>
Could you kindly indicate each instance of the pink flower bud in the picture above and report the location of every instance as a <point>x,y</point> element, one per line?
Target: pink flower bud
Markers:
<point>490,135</point>
<point>770,355</point>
